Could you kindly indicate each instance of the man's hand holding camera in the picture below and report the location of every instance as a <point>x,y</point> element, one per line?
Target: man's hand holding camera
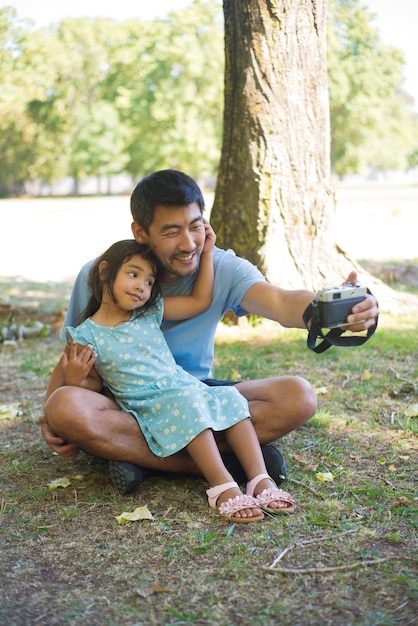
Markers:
<point>347,307</point>
<point>364,314</point>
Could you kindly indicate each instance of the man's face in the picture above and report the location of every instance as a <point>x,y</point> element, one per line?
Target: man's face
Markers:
<point>176,235</point>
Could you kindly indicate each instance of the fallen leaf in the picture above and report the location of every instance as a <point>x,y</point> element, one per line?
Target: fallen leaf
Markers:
<point>321,391</point>
<point>10,411</point>
<point>140,513</point>
<point>147,592</point>
<point>412,410</point>
<point>59,482</point>
<point>366,375</point>
<point>144,593</point>
<point>157,588</point>
<point>325,477</point>
<point>392,468</point>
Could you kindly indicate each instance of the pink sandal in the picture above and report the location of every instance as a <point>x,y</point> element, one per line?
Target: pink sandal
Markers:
<point>231,506</point>
<point>271,494</point>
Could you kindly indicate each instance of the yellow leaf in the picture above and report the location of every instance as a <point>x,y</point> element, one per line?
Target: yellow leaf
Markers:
<point>325,477</point>
<point>392,468</point>
<point>146,592</point>
<point>141,512</point>
<point>10,411</point>
<point>366,375</point>
<point>412,410</point>
<point>321,391</point>
<point>59,482</point>
<point>160,589</point>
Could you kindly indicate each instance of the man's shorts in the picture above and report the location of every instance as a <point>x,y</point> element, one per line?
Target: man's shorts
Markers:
<point>213,382</point>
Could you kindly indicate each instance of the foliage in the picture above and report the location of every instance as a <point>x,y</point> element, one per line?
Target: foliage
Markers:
<point>97,97</point>
<point>168,85</point>
<point>370,123</point>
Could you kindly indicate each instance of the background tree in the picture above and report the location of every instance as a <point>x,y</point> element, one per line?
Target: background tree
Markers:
<point>274,203</point>
<point>370,123</point>
<point>168,80</point>
<point>94,97</point>
<point>26,144</point>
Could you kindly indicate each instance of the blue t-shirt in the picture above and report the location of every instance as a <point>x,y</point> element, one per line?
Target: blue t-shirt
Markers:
<point>191,341</point>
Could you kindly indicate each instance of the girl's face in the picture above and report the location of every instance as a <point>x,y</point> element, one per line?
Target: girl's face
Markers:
<point>133,283</point>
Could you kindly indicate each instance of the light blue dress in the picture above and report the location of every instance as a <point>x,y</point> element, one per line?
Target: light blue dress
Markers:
<point>170,405</point>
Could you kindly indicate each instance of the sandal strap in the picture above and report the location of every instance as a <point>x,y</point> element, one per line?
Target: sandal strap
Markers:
<point>214,492</point>
<point>233,505</point>
<point>252,484</point>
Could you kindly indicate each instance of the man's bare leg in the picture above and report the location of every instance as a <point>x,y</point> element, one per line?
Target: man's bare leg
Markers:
<point>278,405</point>
<point>95,424</point>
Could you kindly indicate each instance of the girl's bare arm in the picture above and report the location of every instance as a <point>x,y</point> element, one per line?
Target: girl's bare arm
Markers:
<point>184,307</point>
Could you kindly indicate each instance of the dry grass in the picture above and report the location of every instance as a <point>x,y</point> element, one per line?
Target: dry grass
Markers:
<point>65,560</point>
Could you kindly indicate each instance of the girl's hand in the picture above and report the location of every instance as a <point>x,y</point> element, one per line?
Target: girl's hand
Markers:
<point>210,237</point>
<point>77,367</point>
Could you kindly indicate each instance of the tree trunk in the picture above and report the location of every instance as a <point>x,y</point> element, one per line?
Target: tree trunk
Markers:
<point>274,203</point>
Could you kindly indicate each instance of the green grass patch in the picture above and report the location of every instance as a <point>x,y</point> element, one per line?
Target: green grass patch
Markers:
<point>348,554</point>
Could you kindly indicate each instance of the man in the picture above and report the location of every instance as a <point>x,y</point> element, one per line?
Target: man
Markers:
<point>167,209</point>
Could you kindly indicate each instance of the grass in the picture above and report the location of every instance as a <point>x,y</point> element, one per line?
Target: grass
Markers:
<point>65,560</point>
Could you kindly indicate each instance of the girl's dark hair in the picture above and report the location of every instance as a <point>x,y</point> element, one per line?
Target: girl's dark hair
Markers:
<point>170,188</point>
<point>115,256</point>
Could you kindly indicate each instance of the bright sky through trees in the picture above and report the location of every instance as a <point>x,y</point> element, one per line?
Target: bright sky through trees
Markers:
<point>396,21</point>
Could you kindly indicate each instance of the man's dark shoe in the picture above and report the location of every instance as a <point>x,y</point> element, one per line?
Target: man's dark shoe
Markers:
<point>127,477</point>
<point>275,464</point>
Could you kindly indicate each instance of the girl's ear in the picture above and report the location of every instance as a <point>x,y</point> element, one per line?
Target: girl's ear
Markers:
<point>103,270</point>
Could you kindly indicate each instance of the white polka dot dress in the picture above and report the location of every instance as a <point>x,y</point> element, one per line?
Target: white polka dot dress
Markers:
<point>170,405</point>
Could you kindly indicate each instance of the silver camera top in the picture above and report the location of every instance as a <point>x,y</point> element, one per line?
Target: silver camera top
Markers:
<point>342,292</point>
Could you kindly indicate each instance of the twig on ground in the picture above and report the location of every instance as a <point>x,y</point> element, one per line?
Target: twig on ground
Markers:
<point>311,489</point>
<point>323,570</point>
<point>304,543</point>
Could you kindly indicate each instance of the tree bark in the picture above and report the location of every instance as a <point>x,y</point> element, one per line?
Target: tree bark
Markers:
<point>274,203</point>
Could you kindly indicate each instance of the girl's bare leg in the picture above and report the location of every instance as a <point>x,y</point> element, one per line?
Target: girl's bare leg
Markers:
<point>243,441</point>
<point>205,453</point>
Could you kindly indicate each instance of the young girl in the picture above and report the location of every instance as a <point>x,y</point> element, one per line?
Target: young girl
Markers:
<point>120,342</point>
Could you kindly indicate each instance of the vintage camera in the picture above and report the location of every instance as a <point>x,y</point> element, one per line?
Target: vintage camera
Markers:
<point>335,304</point>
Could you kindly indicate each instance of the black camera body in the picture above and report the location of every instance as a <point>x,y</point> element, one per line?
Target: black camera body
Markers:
<point>335,304</point>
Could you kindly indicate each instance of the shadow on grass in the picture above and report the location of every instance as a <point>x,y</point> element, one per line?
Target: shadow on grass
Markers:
<point>66,560</point>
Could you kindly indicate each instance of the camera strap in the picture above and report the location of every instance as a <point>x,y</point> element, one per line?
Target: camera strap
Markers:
<point>333,337</point>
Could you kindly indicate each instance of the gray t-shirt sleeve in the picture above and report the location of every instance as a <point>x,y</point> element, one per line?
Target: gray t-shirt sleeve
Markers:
<point>79,298</point>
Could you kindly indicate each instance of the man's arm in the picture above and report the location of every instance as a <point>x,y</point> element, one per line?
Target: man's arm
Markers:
<point>55,442</point>
<point>287,306</point>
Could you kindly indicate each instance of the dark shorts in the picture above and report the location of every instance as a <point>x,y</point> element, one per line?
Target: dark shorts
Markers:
<point>213,382</point>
